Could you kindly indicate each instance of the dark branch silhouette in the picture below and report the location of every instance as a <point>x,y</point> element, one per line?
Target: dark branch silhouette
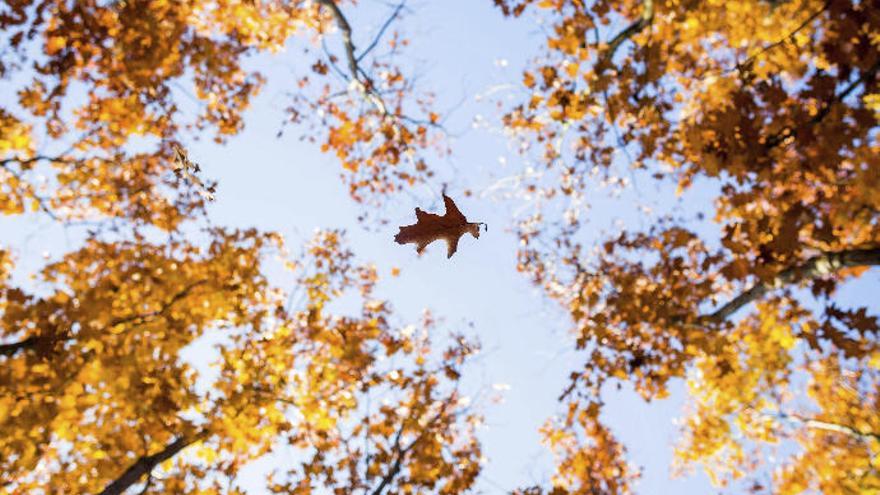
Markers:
<point>9,350</point>
<point>34,341</point>
<point>633,29</point>
<point>816,266</point>
<point>382,30</point>
<point>788,131</point>
<point>401,452</point>
<point>145,464</point>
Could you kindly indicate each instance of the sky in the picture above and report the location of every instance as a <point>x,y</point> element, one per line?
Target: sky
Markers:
<point>470,56</point>
<point>464,51</point>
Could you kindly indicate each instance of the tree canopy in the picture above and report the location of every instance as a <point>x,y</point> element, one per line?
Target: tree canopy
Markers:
<point>771,107</point>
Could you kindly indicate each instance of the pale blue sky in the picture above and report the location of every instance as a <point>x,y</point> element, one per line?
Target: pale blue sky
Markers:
<point>460,48</point>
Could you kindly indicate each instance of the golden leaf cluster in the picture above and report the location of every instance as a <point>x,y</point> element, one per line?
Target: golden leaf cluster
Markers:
<point>771,106</point>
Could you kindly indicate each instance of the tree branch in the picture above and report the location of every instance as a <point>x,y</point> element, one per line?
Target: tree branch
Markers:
<point>11,349</point>
<point>747,62</point>
<point>816,266</point>
<point>382,30</point>
<point>636,27</point>
<point>364,83</point>
<point>829,426</point>
<point>146,464</point>
<point>345,27</point>
<point>400,453</point>
<point>34,159</point>
<point>23,162</point>
<point>162,310</point>
<point>788,131</point>
<point>398,462</point>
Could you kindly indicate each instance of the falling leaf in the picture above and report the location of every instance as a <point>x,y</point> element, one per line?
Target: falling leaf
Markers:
<point>186,168</point>
<point>430,227</point>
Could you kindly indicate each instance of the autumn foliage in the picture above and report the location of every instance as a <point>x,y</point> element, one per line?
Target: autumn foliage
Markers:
<point>98,395</point>
<point>771,106</point>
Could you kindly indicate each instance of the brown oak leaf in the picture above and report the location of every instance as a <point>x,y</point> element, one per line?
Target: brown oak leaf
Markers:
<point>430,227</point>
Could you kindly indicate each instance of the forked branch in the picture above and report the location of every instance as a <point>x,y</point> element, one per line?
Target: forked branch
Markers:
<point>364,83</point>
<point>400,452</point>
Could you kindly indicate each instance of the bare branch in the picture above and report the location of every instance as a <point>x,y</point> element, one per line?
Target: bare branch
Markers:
<point>345,27</point>
<point>382,30</point>
<point>816,266</point>
<point>364,83</point>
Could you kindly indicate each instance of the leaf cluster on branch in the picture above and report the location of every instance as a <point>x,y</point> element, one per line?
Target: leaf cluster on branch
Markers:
<point>99,391</point>
<point>771,107</point>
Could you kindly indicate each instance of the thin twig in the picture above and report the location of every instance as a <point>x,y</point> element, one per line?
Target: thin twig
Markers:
<point>788,131</point>
<point>747,62</point>
<point>382,30</point>
<point>358,76</point>
<point>42,202</point>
